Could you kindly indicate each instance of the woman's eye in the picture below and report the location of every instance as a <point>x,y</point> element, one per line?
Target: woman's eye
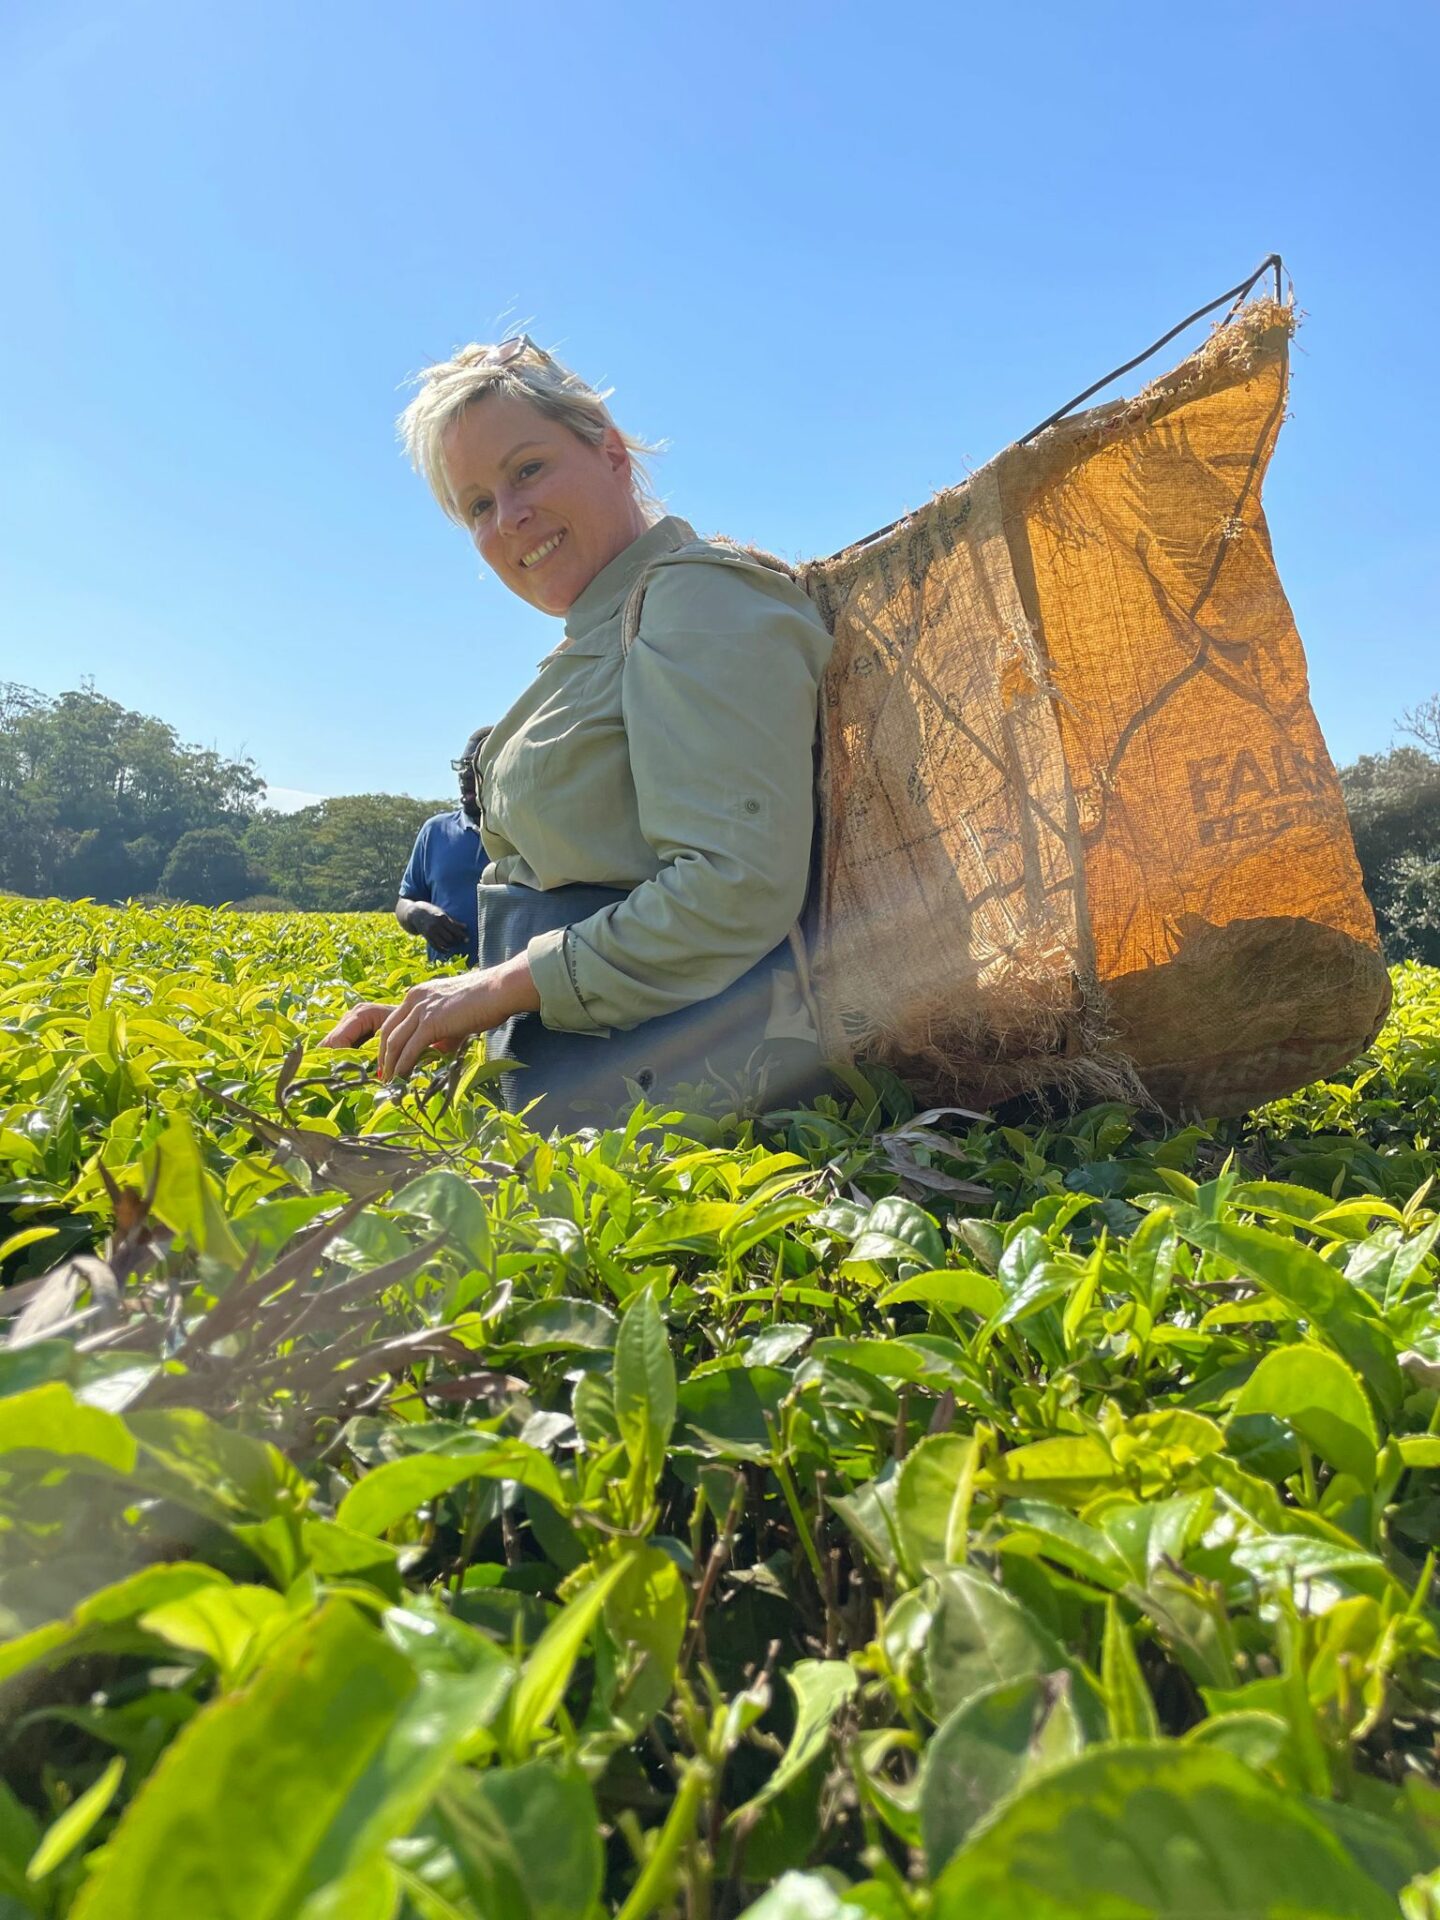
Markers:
<point>529,470</point>
<point>477,507</point>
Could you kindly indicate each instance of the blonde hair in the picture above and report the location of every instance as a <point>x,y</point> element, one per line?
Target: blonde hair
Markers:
<point>516,370</point>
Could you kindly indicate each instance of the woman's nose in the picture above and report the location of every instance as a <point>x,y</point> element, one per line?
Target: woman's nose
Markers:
<point>511,512</point>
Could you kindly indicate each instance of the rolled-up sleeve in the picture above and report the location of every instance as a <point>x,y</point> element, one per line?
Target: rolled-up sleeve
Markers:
<point>719,698</point>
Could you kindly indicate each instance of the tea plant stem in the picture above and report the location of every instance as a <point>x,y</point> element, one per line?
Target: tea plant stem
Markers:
<point>719,1554</point>
<point>468,1538</point>
<point>797,1515</point>
<point>902,1416</point>
<point>698,1881</point>
<point>1307,1476</point>
<point>658,1872</point>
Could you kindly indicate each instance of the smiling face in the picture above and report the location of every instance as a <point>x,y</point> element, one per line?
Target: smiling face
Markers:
<point>545,508</point>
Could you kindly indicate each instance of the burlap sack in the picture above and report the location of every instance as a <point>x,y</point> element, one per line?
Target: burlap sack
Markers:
<point>1078,824</point>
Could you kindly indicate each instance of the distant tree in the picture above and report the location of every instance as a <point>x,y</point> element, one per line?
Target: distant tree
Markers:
<point>1412,907</point>
<point>208,866</point>
<point>28,843</point>
<point>344,855</point>
<point>145,859</point>
<point>1394,805</point>
<point>82,765</point>
<point>95,865</point>
<point>283,846</point>
<point>1422,723</point>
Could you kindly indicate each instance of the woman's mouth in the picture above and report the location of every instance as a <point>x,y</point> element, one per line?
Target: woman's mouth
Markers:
<point>542,552</point>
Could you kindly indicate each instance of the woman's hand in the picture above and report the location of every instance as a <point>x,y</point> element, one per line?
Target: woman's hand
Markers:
<point>354,1028</point>
<point>439,1013</point>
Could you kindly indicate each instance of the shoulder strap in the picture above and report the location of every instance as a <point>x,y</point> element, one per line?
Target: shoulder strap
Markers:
<point>729,550</point>
<point>629,630</point>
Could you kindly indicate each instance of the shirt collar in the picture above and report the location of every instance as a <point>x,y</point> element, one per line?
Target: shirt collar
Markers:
<point>608,591</point>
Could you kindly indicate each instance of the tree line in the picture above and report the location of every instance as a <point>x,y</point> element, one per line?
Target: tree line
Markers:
<point>98,801</point>
<point>1394,804</point>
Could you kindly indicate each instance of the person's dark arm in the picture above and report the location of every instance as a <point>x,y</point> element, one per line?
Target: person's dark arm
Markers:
<point>428,922</point>
<point>418,914</point>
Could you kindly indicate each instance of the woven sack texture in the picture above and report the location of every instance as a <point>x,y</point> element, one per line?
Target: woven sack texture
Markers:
<point>1078,826</point>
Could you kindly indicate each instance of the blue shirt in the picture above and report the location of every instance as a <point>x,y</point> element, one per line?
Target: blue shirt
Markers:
<point>445,867</point>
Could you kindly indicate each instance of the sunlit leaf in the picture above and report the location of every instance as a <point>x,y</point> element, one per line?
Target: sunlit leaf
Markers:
<point>1322,1400</point>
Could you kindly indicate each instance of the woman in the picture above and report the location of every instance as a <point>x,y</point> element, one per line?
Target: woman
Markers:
<point>647,803</point>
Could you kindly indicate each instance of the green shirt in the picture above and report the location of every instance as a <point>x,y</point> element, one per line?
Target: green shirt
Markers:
<point>681,771</point>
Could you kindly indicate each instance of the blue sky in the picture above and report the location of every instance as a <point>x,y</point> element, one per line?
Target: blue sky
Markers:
<point>834,255</point>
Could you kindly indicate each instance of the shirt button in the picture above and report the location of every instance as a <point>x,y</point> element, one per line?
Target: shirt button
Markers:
<point>752,806</point>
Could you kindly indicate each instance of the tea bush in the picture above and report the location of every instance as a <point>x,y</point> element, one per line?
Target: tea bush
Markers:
<point>850,1512</point>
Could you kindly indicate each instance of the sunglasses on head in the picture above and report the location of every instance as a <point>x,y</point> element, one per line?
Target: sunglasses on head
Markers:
<point>511,349</point>
<point>472,759</point>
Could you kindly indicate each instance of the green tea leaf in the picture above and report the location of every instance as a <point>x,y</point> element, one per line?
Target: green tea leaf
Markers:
<point>527,1839</point>
<point>980,1637</point>
<point>646,1614</point>
<point>1297,1275</point>
<point>932,1501</point>
<point>452,1204</point>
<point>73,1827</point>
<point>732,1409</point>
<point>897,1229</point>
<point>947,1287</point>
<point>697,1225</point>
<point>1254,1737</point>
<point>983,1752</point>
<point>19,1837</point>
<point>50,1420</point>
<point>389,1492</point>
<point>561,1326</point>
<point>1322,1400</point>
<point>547,1672</point>
<point>1152,1832</point>
<point>223,1624</point>
<point>97,1619</point>
<point>1040,1527</point>
<point>202,1836</point>
<point>1076,1465</point>
<point>186,1195</point>
<point>1128,1705</point>
<point>644,1383</point>
<point>821,1688</point>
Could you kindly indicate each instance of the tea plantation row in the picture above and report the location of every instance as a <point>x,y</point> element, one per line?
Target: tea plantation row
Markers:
<point>858,1513</point>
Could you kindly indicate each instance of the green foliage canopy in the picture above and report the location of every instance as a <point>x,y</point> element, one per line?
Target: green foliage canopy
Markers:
<point>101,802</point>
<point>93,795</point>
<point>343,855</point>
<point>858,1513</point>
<point>1394,804</point>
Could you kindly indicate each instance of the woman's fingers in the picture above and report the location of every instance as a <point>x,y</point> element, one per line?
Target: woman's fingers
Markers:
<point>403,1042</point>
<point>440,1014</point>
<point>409,1057</point>
<point>398,1030</point>
<point>357,1025</point>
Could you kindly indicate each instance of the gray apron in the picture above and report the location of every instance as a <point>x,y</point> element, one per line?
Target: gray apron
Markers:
<point>579,1078</point>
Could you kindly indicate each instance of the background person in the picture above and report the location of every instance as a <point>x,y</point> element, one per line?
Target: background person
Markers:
<point>437,893</point>
<point>648,809</point>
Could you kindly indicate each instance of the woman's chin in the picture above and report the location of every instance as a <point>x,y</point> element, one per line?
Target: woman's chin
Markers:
<point>553,603</point>
<point>554,595</point>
